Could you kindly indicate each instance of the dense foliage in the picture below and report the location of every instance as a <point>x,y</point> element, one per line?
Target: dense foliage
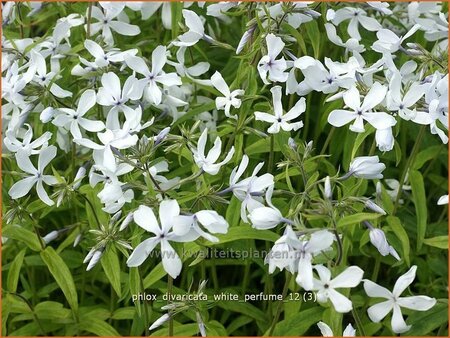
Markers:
<point>232,168</point>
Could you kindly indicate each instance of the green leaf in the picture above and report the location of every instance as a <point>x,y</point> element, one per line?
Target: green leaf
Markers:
<point>246,232</point>
<point>356,218</point>
<point>23,235</point>
<point>62,275</point>
<point>98,327</point>
<point>312,30</point>
<point>426,155</point>
<point>111,266</point>
<point>402,235</point>
<point>135,287</point>
<point>14,272</point>
<point>298,324</point>
<point>423,323</point>
<point>420,203</point>
<point>440,242</point>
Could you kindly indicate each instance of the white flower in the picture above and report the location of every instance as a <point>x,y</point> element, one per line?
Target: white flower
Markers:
<point>443,200</point>
<point>74,119</point>
<point>269,63</point>
<point>394,302</point>
<point>44,78</point>
<point>111,94</point>
<point>196,30</point>
<point>284,252</point>
<point>280,120</point>
<point>318,242</point>
<point>251,189</point>
<point>389,42</point>
<point>267,217</point>
<point>351,44</point>
<point>102,58</point>
<point>378,239</point>
<point>103,155</point>
<point>36,176</point>
<point>384,139</point>
<point>356,16</point>
<point>368,167</point>
<point>230,99</point>
<point>152,93</point>
<point>208,163</point>
<point>106,22</point>
<point>326,286</point>
<point>319,79</point>
<point>395,101</point>
<point>145,218</point>
<point>325,330</point>
<point>189,227</point>
<point>114,196</point>
<point>190,71</point>
<point>362,112</point>
<point>25,145</point>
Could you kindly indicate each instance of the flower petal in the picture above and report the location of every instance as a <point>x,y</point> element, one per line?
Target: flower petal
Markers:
<point>141,252</point>
<point>404,281</point>
<point>145,218</point>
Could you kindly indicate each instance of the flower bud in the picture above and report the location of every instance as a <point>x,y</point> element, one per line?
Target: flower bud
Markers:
<point>94,260</point>
<point>265,218</point>
<point>160,321</point>
<point>126,221</point>
<point>51,236</point>
<point>378,239</point>
<point>327,187</point>
<point>374,207</point>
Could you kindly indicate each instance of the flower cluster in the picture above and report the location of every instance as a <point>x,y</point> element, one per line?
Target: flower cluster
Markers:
<point>207,122</point>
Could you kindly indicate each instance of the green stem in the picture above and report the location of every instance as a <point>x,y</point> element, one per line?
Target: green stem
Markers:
<point>88,24</point>
<point>271,154</point>
<point>359,325</point>
<point>327,141</point>
<point>169,293</point>
<point>408,164</point>
<point>278,313</point>
<point>146,314</point>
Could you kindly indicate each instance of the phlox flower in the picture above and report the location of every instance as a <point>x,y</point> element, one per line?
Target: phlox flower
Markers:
<point>163,234</point>
<point>230,97</point>
<point>25,145</point>
<point>389,42</point>
<point>35,176</point>
<point>280,120</point>
<point>284,254</point>
<point>152,93</point>
<point>74,119</point>
<point>362,112</point>
<point>402,104</point>
<point>44,78</point>
<point>357,16</point>
<point>191,227</point>
<point>113,95</point>
<point>308,248</point>
<point>251,189</point>
<point>208,162</point>
<point>196,30</point>
<point>325,287</point>
<point>103,154</point>
<point>109,19</point>
<point>325,330</point>
<point>190,71</point>
<point>368,167</point>
<point>394,302</point>
<point>269,67</point>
